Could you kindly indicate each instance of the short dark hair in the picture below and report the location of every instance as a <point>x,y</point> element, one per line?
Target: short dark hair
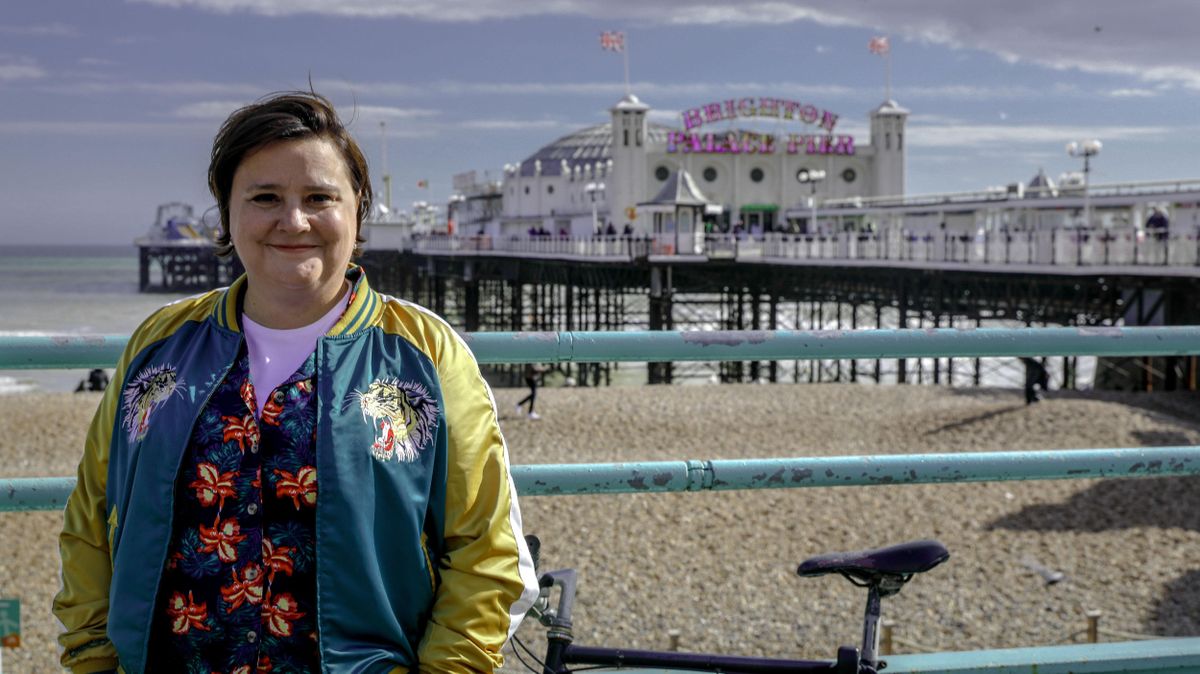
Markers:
<point>289,115</point>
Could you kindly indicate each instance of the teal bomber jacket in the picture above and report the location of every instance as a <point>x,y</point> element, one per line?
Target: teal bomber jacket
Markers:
<point>421,563</point>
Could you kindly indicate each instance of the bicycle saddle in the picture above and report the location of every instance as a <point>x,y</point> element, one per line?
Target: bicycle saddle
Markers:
<point>887,568</point>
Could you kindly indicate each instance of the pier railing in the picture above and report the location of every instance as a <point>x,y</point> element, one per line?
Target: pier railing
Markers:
<point>1182,654</point>
<point>1066,247</point>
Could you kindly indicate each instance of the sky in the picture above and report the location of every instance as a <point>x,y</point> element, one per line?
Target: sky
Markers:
<point>108,107</point>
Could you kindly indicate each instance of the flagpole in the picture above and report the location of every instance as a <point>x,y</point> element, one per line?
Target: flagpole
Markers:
<point>888,59</point>
<point>625,53</point>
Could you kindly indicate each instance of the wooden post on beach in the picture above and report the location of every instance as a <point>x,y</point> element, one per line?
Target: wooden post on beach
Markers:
<point>1093,625</point>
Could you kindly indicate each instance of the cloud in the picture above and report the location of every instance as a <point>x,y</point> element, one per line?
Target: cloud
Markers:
<point>1133,93</point>
<point>1152,43</point>
<point>182,88</point>
<point>513,124</point>
<point>379,112</point>
<point>19,68</point>
<point>428,10</point>
<point>97,129</point>
<point>611,90</point>
<point>207,110</point>
<point>41,30</point>
<point>992,135</point>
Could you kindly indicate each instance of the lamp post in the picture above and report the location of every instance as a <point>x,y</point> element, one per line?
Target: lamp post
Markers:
<point>592,189</point>
<point>1086,149</point>
<point>812,177</point>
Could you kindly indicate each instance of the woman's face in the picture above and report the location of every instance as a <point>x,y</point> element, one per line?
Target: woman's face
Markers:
<point>293,219</point>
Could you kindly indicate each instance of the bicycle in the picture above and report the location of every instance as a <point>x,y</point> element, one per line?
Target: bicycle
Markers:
<point>882,571</point>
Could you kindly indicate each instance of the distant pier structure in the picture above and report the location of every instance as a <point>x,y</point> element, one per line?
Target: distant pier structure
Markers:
<point>993,259</point>
<point>178,254</point>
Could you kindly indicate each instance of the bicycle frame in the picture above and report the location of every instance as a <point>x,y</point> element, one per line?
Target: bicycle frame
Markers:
<point>882,571</point>
<point>561,651</point>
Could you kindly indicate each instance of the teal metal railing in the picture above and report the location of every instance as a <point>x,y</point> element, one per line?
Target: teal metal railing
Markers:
<point>74,351</point>
<point>50,493</point>
<point>1176,655</point>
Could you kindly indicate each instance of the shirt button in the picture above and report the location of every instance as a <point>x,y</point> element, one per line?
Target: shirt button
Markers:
<point>254,448</point>
<point>278,396</point>
<point>251,636</point>
<point>252,508</point>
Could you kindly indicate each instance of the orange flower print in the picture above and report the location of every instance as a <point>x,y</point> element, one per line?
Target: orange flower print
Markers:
<point>243,429</point>
<point>276,559</point>
<point>264,665</point>
<point>301,487</point>
<point>304,386</point>
<point>222,537</point>
<point>186,614</point>
<point>246,589</point>
<point>280,615</point>
<point>247,391</point>
<point>271,412</point>
<point>212,486</point>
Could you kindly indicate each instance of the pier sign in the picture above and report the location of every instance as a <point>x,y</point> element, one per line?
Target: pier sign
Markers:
<point>778,108</point>
<point>10,623</point>
<point>819,141</point>
<point>757,143</point>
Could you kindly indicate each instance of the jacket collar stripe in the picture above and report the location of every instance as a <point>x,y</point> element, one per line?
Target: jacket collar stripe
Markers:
<point>359,312</point>
<point>362,312</point>
<point>364,307</point>
<point>226,310</point>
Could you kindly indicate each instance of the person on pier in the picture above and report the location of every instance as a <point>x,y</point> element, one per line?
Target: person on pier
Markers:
<point>294,473</point>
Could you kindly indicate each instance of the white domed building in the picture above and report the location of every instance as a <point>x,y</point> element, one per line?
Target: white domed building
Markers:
<point>749,181</point>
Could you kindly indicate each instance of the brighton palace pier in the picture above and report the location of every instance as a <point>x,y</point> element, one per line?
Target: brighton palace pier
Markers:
<point>707,225</point>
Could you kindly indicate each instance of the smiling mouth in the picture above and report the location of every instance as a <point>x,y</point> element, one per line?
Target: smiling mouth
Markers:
<point>291,247</point>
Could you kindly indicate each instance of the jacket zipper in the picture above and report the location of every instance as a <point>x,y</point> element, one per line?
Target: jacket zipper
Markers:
<point>171,499</point>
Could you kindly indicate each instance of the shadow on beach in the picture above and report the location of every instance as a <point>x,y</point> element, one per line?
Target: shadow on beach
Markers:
<point>1116,504</point>
<point>979,418</point>
<point>1177,613</point>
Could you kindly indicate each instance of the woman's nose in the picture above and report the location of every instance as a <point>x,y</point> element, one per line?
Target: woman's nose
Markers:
<point>293,218</point>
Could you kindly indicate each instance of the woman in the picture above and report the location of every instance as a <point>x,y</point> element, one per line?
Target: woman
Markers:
<point>295,473</point>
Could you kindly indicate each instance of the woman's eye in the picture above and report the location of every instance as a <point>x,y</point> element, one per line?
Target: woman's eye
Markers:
<point>321,198</point>
<point>264,198</point>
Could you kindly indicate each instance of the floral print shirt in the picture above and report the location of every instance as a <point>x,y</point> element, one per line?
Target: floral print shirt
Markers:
<point>238,592</point>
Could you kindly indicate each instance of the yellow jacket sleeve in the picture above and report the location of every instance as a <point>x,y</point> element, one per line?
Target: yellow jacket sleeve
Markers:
<point>487,576</point>
<point>81,605</point>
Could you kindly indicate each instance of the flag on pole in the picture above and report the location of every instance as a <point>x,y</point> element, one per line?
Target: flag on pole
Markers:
<point>611,40</point>
<point>879,45</point>
<point>422,184</point>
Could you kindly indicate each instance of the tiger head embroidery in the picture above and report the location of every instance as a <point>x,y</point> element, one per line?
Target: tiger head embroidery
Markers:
<point>145,393</point>
<point>403,415</point>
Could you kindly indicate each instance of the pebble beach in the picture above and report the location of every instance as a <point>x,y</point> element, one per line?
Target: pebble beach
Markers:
<point>718,568</point>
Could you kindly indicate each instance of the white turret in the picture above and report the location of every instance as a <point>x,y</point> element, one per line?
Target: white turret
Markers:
<point>887,139</point>
<point>627,182</point>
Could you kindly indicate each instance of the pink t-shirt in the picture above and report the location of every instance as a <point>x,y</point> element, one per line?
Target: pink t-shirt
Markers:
<point>276,354</point>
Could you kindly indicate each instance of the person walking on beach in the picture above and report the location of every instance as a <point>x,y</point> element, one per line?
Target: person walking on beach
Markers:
<point>1036,375</point>
<point>532,373</point>
<point>192,540</point>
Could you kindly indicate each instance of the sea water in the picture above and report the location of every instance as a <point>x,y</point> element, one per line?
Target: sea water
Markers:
<point>94,290</point>
<point>69,289</point>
